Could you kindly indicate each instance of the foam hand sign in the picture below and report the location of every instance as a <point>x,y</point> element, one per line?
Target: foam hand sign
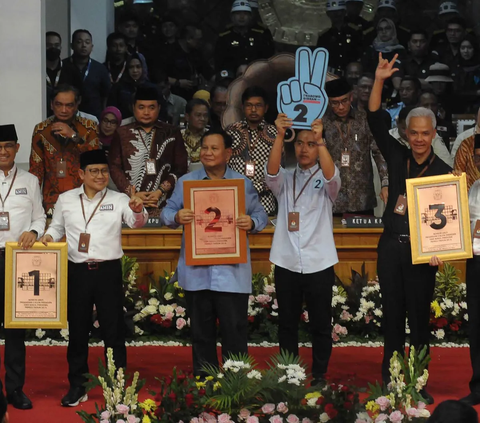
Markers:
<point>303,98</point>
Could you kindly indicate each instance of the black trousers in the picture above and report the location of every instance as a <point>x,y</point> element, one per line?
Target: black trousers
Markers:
<point>14,360</point>
<point>406,289</point>
<point>102,287</point>
<point>473,304</point>
<point>316,290</point>
<point>204,308</point>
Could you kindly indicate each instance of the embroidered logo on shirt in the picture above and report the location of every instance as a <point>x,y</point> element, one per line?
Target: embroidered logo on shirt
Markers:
<point>318,183</point>
<point>106,207</point>
<point>21,191</point>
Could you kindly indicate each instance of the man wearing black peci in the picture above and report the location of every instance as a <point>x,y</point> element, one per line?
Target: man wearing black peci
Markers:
<point>404,287</point>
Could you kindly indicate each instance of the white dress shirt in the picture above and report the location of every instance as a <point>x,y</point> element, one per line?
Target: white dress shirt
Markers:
<point>439,147</point>
<point>312,248</point>
<point>24,205</point>
<point>474,206</point>
<point>105,228</point>
<point>461,137</point>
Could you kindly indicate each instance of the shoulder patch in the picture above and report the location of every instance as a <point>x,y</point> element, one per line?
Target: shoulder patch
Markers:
<point>222,34</point>
<point>259,30</point>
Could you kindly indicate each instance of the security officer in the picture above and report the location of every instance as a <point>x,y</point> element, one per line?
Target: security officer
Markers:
<point>243,42</point>
<point>343,41</point>
<point>354,10</point>
<point>446,11</point>
<point>23,219</point>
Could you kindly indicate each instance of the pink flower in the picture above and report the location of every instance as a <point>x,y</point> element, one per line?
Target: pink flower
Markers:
<point>105,415</point>
<point>383,402</point>
<point>243,414</point>
<point>292,418</point>
<point>123,409</point>
<point>275,419</point>
<point>263,299</point>
<point>120,421</point>
<point>335,337</point>
<point>132,419</point>
<point>104,421</point>
<point>251,299</point>
<point>381,418</point>
<point>282,407</point>
<point>181,323</point>
<point>340,329</point>
<point>180,311</point>
<point>269,289</point>
<point>194,420</point>
<point>368,318</point>
<point>207,417</point>
<point>169,315</point>
<point>345,315</point>
<point>305,316</point>
<point>360,421</point>
<point>412,412</point>
<point>396,417</point>
<point>421,405</point>
<point>224,418</point>
<point>268,408</point>
<point>252,419</point>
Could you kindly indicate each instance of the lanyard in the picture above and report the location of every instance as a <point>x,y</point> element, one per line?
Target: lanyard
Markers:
<point>96,208</point>
<point>119,75</point>
<point>424,169</point>
<point>9,189</point>
<point>344,137</point>
<point>57,78</point>
<point>295,198</point>
<point>149,150</point>
<point>88,68</point>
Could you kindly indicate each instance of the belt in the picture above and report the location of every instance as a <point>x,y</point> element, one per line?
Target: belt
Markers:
<point>94,265</point>
<point>401,238</point>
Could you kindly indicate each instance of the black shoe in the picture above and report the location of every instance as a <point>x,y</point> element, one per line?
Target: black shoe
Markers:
<point>74,397</point>
<point>471,399</point>
<point>427,397</point>
<point>318,382</point>
<point>19,400</point>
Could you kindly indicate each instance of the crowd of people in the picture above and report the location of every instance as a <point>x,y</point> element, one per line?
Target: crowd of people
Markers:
<point>123,136</point>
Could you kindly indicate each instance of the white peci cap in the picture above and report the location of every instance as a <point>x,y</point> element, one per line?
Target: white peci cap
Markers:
<point>241,6</point>
<point>448,7</point>
<point>336,5</point>
<point>387,3</point>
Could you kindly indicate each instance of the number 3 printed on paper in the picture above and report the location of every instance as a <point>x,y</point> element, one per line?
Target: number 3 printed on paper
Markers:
<point>303,98</point>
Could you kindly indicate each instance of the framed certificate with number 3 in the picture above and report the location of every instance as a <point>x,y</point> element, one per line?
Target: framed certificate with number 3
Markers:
<point>213,236</point>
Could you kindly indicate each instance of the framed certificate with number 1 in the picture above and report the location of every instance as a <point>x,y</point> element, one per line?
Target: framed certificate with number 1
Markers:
<point>213,236</point>
<point>36,286</point>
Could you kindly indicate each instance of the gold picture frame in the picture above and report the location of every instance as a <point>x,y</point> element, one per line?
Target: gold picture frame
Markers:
<point>36,286</point>
<point>439,218</point>
<point>215,239</point>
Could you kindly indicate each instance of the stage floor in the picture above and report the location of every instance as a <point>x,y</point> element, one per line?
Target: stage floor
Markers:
<point>47,374</point>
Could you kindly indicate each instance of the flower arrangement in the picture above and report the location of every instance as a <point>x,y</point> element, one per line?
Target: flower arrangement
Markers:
<point>401,399</point>
<point>121,402</point>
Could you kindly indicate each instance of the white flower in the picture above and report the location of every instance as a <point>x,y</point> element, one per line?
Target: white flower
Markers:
<point>439,334</point>
<point>137,317</point>
<point>424,413</point>
<point>274,314</point>
<point>312,402</point>
<point>220,375</point>
<point>324,417</point>
<point>150,309</point>
<point>153,301</point>
<point>463,305</point>
<point>254,374</point>
<point>378,312</point>
<point>39,333</point>
<point>64,333</point>
<point>465,316</point>
<point>282,379</point>
<point>168,296</point>
<point>138,330</point>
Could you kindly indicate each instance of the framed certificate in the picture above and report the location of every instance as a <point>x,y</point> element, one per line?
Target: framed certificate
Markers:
<point>213,236</point>
<point>439,218</point>
<point>36,286</point>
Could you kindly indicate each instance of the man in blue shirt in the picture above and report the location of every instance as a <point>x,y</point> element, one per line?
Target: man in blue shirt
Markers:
<point>303,248</point>
<point>221,291</point>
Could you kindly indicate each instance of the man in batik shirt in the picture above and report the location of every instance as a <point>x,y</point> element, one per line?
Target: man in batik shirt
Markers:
<point>352,146</point>
<point>149,156</point>
<point>57,143</point>
<point>253,139</point>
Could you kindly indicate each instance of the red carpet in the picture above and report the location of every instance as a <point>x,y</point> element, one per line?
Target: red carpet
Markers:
<point>47,374</point>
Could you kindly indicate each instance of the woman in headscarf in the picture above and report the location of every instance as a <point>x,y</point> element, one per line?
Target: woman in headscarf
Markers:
<point>110,120</point>
<point>467,76</point>
<point>386,43</point>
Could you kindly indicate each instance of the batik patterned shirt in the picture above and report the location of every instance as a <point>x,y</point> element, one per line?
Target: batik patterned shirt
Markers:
<point>254,145</point>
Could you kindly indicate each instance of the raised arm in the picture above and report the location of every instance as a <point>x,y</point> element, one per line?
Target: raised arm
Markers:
<point>274,159</point>
<point>384,71</point>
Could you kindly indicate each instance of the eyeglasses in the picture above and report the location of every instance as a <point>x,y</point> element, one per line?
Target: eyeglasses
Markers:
<point>95,171</point>
<point>112,122</point>
<point>251,106</point>
<point>337,103</point>
<point>7,147</point>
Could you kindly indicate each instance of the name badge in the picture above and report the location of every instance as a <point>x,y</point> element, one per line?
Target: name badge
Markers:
<point>21,191</point>
<point>442,128</point>
<point>4,221</point>
<point>345,159</point>
<point>61,169</point>
<point>401,206</point>
<point>83,243</point>
<point>293,221</point>
<point>250,168</point>
<point>106,207</point>
<point>476,231</point>
<point>151,167</point>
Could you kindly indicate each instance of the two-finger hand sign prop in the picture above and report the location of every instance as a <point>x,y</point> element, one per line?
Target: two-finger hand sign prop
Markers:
<point>303,98</point>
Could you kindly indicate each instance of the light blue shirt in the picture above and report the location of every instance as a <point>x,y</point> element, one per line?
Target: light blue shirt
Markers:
<point>394,111</point>
<point>311,248</point>
<point>224,278</point>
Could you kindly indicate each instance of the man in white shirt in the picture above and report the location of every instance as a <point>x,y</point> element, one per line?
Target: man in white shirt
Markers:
<point>473,288</point>
<point>23,219</point>
<point>303,248</point>
<point>466,134</point>
<point>91,217</point>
